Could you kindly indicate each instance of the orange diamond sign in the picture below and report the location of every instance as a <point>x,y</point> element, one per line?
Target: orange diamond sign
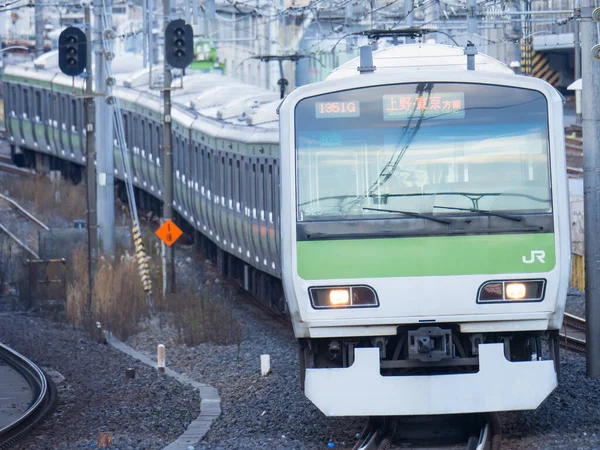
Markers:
<point>169,232</point>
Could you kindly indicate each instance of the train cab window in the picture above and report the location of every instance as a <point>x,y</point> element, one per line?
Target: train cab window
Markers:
<point>435,149</point>
<point>38,106</point>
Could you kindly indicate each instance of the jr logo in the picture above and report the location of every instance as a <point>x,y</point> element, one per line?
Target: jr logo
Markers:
<point>535,254</point>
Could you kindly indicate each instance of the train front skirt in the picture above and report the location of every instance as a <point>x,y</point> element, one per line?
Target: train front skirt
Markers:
<point>499,385</point>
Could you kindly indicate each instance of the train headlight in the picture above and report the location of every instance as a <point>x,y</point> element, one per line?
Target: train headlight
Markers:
<point>511,291</point>
<point>515,291</point>
<point>339,297</point>
<point>336,297</point>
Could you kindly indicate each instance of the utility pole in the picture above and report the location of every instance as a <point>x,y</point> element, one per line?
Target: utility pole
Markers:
<point>472,17</point>
<point>577,50</point>
<point>168,252</point>
<point>39,28</point>
<point>90,146</point>
<point>590,52</point>
<point>105,136</point>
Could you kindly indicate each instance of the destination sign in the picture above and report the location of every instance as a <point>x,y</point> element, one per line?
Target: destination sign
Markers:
<point>440,106</point>
<point>331,110</point>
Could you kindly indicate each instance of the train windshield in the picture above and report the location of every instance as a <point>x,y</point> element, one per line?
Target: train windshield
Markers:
<point>427,149</point>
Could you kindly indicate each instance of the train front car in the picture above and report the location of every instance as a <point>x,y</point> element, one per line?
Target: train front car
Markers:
<point>425,236</point>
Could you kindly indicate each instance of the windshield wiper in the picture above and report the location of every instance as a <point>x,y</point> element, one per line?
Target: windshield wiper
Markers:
<point>481,211</point>
<point>412,214</point>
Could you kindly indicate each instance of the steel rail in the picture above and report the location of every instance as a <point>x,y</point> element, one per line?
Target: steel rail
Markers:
<point>573,323</point>
<point>24,212</point>
<point>14,169</point>
<point>43,402</point>
<point>18,242</point>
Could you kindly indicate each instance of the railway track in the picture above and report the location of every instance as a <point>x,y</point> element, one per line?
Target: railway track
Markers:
<point>464,432</point>
<point>19,374</point>
<point>572,335</point>
<point>6,165</point>
<point>26,214</point>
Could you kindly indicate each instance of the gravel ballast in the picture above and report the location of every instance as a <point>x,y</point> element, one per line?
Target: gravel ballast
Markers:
<point>147,412</point>
<point>272,413</point>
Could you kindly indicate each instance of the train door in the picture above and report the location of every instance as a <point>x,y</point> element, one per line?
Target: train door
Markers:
<point>152,178</point>
<point>62,115</point>
<point>160,157</point>
<point>12,111</point>
<point>26,124</point>
<point>144,140</point>
<point>201,188</point>
<point>229,212</point>
<point>20,114</point>
<point>276,211</point>
<point>40,123</point>
<point>35,116</point>
<point>47,118</point>
<point>269,213</point>
<point>238,233</point>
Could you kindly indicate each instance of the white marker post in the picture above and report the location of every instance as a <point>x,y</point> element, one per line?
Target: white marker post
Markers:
<point>265,365</point>
<point>160,358</point>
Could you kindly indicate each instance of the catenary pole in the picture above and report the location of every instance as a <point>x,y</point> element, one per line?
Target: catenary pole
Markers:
<point>105,135</point>
<point>168,252</point>
<point>39,28</point>
<point>90,145</point>
<point>591,185</point>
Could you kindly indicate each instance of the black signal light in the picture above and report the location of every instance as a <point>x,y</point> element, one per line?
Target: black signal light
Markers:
<point>179,44</point>
<point>72,51</point>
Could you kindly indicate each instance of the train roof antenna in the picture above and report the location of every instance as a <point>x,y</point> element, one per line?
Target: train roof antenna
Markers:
<point>366,60</point>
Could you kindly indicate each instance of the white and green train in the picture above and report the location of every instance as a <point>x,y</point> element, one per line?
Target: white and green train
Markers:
<point>415,217</point>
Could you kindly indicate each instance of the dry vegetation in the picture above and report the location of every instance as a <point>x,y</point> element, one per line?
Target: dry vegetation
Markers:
<point>119,301</point>
<point>50,199</point>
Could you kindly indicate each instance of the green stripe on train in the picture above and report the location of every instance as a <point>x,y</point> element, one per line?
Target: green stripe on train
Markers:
<point>424,256</point>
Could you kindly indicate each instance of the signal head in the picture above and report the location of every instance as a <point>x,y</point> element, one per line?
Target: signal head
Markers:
<point>179,44</point>
<point>72,51</point>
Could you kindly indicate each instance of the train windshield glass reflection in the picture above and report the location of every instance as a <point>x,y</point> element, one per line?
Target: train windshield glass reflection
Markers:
<point>423,148</point>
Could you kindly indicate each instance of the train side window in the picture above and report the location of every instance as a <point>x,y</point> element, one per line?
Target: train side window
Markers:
<point>25,103</point>
<point>230,182</point>
<point>222,182</point>
<point>209,177</point>
<point>269,193</point>
<point>38,106</point>
<point>261,185</point>
<point>254,198</point>
<point>151,137</point>
<point>237,186</point>
<point>14,103</point>
<point>63,112</point>
<point>74,115</point>
<point>159,140</point>
<point>126,128</point>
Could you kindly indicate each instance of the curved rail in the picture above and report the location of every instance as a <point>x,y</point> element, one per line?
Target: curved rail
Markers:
<point>43,402</point>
